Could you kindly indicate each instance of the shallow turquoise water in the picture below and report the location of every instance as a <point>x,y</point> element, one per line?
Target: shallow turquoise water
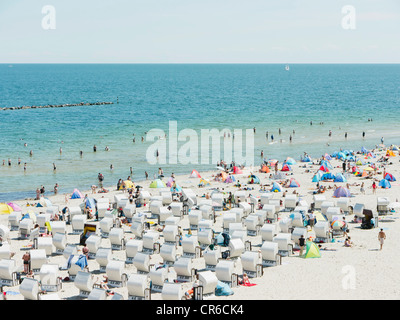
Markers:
<point>219,96</point>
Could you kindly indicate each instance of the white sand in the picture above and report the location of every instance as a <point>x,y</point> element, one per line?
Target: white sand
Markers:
<point>375,272</point>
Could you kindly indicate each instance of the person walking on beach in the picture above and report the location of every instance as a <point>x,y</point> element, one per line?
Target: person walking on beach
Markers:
<point>374,187</point>
<point>101,179</point>
<point>146,175</point>
<point>301,243</point>
<point>382,140</point>
<point>381,238</point>
<point>26,258</point>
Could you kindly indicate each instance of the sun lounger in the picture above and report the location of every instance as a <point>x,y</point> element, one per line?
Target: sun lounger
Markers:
<point>211,257</point>
<point>252,224</point>
<point>50,281</point>
<point>121,200</point>
<point>138,286</point>
<point>224,271</point>
<point>29,288</point>
<point>268,231</point>
<point>129,211</point>
<point>240,195</point>
<point>84,282</point>
<point>93,244</point>
<point>8,273</point>
<point>132,248</point>
<point>170,234</point>
<point>177,209</point>
<point>343,203</point>
<point>297,233</point>
<point>238,212</point>
<point>144,197</point>
<point>106,225</point>
<point>190,247</point>
<point>265,197</point>
<point>97,294</point>
<point>158,278</point>
<point>172,291</point>
<point>208,282</point>
<point>322,232</point>
<point>25,227</point>
<point>137,228</point>
<point>46,243</point>
<point>38,258</point>
<point>116,273</point>
<point>14,219</point>
<point>117,239</point>
<point>189,194</point>
<point>155,206</point>
<point>285,243</point>
<point>318,199</point>
<point>166,197</point>
<point>271,213</point>
<point>5,251</point>
<point>103,256</point>
<point>168,253</point>
<point>78,223</point>
<point>358,209</point>
<point>184,270</point>
<point>382,205</point>
<point>194,217</point>
<point>142,262</point>
<point>151,243</point>
<point>102,209</point>
<point>227,219</point>
<point>270,254</point>
<point>290,202</point>
<point>205,237</point>
<point>207,212</point>
<point>252,264</point>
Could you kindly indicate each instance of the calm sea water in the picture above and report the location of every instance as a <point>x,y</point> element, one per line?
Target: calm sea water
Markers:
<point>267,97</point>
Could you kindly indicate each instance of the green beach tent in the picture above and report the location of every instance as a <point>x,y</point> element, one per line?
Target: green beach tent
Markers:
<point>158,184</point>
<point>312,250</point>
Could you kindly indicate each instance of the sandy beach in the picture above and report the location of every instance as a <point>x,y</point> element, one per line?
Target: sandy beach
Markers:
<point>358,272</point>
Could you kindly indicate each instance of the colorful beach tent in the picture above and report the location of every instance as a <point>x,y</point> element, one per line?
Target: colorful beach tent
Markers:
<point>230,179</point>
<point>170,182</point>
<point>390,153</point>
<point>265,169</point>
<point>290,161</point>
<point>90,202</point>
<point>326,164</point>
<point>5,208</point>
<point>276,187</point>
<point>237,170</point>
<point>253,179</point>
<point>317,177</point>
<point>312,250</point>
<point>385,184</point>
<point>176,188</point>
<point>324,168</point>
<point>327,156</point>
<point>44,202</point>
<point>342,192</point>
<point>339,178</point>
<point>360,162</point>
<point>388,176</point>
<point>306,159</point>
<point>328,176</point>
<point>158,184</point>
<point>195,174</point>
<point>363,150</point>
<point>14,206</point>
<point>128,184</point>
<point>286,167</point>
<point>204,182</point>
<point>76,194</point>
<point>294,183</point>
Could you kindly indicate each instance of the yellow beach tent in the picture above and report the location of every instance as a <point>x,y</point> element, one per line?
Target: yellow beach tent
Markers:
<point>5,208</point>
<point>312,250</point>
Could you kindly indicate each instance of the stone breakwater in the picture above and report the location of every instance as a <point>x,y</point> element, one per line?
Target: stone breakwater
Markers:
<point>57,105</point>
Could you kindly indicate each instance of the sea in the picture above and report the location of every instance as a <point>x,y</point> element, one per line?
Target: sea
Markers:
<point>304,103</point>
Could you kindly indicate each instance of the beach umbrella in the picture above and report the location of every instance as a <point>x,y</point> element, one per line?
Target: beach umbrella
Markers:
<point>337,223</point>
<point>5,208</point>
<point>342,192</point>
<point>14,206</point>
<point>158,184</point>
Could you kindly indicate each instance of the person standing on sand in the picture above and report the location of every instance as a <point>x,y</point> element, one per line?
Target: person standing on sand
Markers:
<point>374,187</point>
<point>301,243</point>
<point>381,238</point>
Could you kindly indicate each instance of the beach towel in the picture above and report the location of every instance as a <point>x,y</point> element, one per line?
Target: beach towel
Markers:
<point>248,284</point>
<point>82,261</point>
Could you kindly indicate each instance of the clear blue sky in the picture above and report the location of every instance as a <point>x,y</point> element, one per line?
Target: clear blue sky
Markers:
<point>200,31</point>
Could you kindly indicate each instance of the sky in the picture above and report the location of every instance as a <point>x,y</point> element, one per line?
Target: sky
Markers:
<point>200,31</point>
